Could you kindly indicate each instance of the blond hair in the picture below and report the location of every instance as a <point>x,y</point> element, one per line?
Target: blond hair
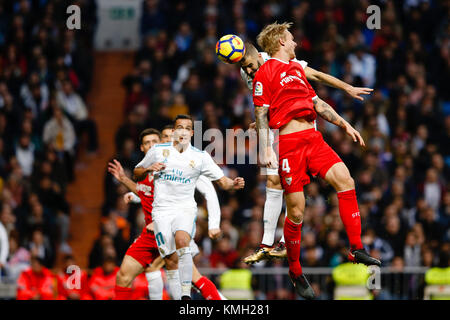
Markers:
<point>269,38</point>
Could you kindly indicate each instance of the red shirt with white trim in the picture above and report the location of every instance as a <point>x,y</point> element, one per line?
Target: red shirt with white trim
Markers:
<point>283,88</point>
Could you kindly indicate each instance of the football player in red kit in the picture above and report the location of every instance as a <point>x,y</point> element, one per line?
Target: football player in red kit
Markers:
<point>284,100</point>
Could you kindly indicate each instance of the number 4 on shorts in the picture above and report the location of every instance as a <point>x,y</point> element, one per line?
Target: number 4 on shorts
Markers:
<point>285,166</point>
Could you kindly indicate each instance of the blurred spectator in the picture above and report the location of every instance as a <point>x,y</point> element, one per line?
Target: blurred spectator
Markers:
<point>37,283</point>
<point>75,284</point>
<point>60,134</point>
<point>223,255</point>
<point>40,247</point>
<point>4,246</point>
<point>25,154</point>
<point>18,258</point>
<point>74,106</point>
<point>103,280</point>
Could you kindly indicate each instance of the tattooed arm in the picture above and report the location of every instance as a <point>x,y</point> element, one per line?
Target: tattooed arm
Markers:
<point>324,110</point>
<point>268,157</point>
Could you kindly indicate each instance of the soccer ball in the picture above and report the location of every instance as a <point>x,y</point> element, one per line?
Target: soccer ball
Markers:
<point>230,48</point>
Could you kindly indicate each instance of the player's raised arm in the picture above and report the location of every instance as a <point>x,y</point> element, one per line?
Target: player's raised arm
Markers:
<point>116,169</point>
<point>206,188</point>
<point>327,112</point>
<point>354,92</point>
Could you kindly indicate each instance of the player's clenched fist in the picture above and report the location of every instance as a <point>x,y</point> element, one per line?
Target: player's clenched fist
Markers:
<point>127,197</point>
<point>238,183</point>
<point>214,233</point>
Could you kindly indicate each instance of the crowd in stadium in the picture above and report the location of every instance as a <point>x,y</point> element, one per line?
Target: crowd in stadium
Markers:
<point>45,75</point>
<point>402,176</point>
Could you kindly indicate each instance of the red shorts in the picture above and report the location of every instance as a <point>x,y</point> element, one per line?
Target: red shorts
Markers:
<point>144,249</point>
<point>301,153</point>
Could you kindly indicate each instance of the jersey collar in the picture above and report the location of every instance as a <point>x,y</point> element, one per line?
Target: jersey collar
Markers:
<point>279,60</point>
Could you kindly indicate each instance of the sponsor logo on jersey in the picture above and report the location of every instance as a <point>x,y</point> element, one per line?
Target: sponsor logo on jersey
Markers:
<point>288,180</point>
<point>282,74</point>
<point>290,78</point>
<point>298,73</point>
<point>258,89</point>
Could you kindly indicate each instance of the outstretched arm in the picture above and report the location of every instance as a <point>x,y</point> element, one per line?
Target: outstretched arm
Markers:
<point>324,110</point>
<point>354,92</point>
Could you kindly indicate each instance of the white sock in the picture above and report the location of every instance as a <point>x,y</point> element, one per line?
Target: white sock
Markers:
<point>272,210</point>
<point>174,284</point>
<point>221,295</point>
<point>185,264</point>
<point>155,285</point>
<point>282,237</point>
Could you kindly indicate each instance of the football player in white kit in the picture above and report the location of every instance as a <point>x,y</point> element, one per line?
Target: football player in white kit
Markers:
<point>176,167</point>
<point>249,64</point>
<point>206,188</point>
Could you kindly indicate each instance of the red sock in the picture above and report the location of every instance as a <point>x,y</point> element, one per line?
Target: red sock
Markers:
<point>293,236</point>
<point>122,293</point>
<point>349,212</point>
<point>207,288</point>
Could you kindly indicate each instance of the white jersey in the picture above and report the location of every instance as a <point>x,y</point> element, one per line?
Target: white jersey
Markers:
<point>175,185</point>
<point>206,188</point>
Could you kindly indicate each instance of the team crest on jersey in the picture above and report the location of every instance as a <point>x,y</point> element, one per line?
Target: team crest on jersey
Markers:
<point>282,74</point>
<point>288,180</point>
<point>258,89</point>
<point>298,73</point>
<point>192,164</point>
<point>166,153</point>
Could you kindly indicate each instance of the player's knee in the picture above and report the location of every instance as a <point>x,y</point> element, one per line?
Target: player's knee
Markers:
<point>123,279</point>
<point>273,182</point>
<point>296,215</point>
<point>345,182</point>
<point>182,241</point>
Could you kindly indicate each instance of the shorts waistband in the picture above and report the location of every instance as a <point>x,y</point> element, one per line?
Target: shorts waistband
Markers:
<point>295,134</point>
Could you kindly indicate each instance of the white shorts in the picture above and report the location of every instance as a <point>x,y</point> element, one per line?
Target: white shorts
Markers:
<point>167,222</point>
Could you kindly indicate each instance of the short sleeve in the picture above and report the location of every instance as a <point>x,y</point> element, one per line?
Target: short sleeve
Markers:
<point>210,169</point>
<point>261,92</point>
<point>303,63</point>
<point>149,159</point>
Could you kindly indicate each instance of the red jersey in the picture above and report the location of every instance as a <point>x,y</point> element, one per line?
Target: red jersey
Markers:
<point>144,189</point>
<point>283,88</point>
